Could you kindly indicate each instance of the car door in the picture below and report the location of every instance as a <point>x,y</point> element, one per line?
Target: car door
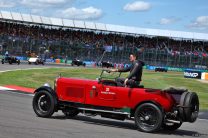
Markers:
<point>110,96</point>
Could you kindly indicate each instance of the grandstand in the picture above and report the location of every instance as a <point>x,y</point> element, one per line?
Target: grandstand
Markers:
<point>26,35</point>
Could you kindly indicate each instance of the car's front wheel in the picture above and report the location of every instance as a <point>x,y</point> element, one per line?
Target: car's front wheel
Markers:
<point>43,104</point>
<point>148,117</point>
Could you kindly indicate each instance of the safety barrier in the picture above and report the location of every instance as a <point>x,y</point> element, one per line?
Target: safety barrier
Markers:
<point>204,76</point>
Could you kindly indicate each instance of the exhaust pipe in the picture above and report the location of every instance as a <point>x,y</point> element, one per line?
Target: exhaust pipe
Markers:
<point>173,121</point>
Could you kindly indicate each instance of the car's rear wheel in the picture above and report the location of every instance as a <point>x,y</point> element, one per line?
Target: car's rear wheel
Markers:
<point>70,112</point>
<point>148,117</point>
<point>171,126</point>
<point>18,62</point>
<point>43,104</point>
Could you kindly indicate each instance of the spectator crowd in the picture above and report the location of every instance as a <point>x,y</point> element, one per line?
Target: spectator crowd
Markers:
<point>24,39</point>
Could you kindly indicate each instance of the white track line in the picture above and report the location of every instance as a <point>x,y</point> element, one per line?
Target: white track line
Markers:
<point>21,93</point>
<point>23,69</point>
<point>6,89</point>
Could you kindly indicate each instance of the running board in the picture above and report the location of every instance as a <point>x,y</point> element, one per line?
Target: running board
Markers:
<point>104,111</point>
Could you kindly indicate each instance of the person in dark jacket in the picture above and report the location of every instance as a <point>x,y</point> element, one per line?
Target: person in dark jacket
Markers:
<point>134,78</point>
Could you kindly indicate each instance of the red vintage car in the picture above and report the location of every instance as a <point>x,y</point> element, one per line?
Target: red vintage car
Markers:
<point>152,109</point>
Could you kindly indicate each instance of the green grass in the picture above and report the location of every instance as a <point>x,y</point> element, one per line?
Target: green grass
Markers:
<point>36,77</point>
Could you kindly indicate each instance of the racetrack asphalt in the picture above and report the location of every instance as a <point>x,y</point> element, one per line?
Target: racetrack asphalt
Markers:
<point>18,120</point>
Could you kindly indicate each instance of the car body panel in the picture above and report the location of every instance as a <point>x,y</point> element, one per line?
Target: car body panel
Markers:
<point>93,92</point>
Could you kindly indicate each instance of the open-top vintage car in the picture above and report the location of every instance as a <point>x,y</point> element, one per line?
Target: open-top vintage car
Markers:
<point>107,64</point>
<point>10,60</point>
<point>161,69</point>
<point>36,60</point>
<point>151,109</point>
<point>78,62</point>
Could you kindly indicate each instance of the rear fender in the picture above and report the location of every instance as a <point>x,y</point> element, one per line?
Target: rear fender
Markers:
<point>53,93</point>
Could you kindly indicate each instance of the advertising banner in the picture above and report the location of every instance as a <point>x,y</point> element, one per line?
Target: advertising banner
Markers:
<point>192,74</point>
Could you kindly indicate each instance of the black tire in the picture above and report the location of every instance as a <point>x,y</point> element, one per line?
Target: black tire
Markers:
<point>10,62</point>
<point>192,104</point>
<point>70,112</point>
<point>182,103</point>
<point>148,117</point>
<point>29,63</point>
<point>18,62</point>
<point>171,126</point>
<point>43,103</point>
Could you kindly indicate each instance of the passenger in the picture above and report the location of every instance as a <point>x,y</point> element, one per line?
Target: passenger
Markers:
<point>134,78</point>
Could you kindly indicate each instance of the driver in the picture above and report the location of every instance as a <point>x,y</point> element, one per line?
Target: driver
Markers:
<point>134,78</point>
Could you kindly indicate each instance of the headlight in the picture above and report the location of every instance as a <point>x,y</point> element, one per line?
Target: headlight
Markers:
<point>55,82</point>
<point>47,85</point>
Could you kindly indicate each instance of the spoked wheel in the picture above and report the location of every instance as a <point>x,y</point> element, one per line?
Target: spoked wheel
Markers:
<point>43,104</point>
<point>148,117</point>
<point>171,126</point>
<point>70,112</point>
